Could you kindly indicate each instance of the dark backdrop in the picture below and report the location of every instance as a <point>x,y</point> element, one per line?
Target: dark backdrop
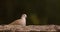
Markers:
<point>46,11</point>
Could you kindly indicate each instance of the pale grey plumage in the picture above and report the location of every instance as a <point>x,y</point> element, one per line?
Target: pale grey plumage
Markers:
<point>21,21</point>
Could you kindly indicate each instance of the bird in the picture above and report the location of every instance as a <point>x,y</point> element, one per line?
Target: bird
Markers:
<point>21,21</point>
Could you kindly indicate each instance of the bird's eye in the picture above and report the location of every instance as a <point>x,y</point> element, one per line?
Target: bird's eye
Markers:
<point>24,15</point>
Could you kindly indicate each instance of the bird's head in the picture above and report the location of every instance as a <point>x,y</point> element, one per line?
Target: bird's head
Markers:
<point>23,16</point>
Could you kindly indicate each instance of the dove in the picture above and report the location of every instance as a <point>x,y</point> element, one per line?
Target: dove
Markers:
<point>21,21</point>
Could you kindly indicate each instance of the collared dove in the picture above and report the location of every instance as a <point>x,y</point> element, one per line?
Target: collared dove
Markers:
<point>21,21</point>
